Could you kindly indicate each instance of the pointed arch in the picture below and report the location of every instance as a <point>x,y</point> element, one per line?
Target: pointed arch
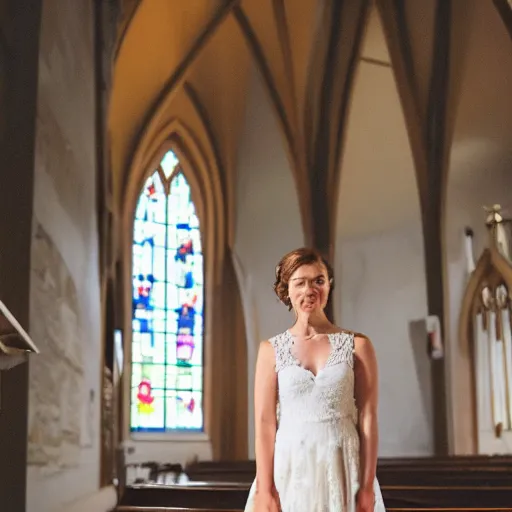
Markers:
<point>223,430</point>
<point>492,272</point>
<point>167,312</point>
<point>167,220</point>
<point>203,176</point>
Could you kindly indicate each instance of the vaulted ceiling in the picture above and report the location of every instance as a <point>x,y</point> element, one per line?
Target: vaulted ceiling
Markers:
<point>338,74</point>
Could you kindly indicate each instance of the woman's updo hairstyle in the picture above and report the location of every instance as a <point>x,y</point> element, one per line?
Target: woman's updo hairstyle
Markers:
<point>290,263</point>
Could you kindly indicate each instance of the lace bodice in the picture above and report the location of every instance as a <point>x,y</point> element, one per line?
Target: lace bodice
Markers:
<point>305,398</point>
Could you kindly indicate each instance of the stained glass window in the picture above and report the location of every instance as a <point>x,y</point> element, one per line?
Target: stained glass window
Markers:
<point>167,345</point>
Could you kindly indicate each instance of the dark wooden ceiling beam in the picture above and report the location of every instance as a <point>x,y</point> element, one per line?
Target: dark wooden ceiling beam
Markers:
<point>430,144</point>
<point>399,45</point>
<point>322,150</point>
<point>283,32</point>
<point>504,8</point>
<point>437,146</point>
<point>345,99</point>
<point>340,63</point>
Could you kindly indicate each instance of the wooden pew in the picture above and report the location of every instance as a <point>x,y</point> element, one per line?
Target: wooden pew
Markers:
<point>451,479</point>
<point>452,483</point>
<point>445,459</point>
<point>197,495</point>
<point>421,498</point>
<point>459,460</point>
<point>172,509</point>
<point>233,497</point>
<point>427,462</point>
<point>180,509</point>
<point>453,471</point>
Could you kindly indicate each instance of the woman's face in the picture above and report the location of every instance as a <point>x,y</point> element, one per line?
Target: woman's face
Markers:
<point>309,287</point>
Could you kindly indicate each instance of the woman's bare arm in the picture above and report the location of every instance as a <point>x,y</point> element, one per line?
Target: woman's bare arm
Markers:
<point>366,394</point>
<point>265,402</point>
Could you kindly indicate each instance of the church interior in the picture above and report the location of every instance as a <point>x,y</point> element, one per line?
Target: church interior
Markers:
<point>158,157</point>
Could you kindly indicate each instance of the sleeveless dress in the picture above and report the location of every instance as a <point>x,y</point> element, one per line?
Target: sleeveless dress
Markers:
<point>316,455</point>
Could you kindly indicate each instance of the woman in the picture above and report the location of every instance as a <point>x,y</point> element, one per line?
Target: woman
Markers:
<point>320,455</point>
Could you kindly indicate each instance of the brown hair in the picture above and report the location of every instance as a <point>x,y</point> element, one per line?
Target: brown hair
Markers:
<point>290,263</point>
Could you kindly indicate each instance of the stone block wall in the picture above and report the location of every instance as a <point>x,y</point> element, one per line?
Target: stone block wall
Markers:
<point>65,309</point>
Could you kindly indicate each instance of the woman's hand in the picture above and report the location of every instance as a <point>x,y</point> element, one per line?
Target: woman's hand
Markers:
<point>267,501</point>
<point>365,500</point>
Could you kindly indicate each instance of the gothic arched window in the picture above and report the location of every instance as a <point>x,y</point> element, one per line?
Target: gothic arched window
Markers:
<point>168,292</point>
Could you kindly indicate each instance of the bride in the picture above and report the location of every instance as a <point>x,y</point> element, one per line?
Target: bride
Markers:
<point>315,404</point>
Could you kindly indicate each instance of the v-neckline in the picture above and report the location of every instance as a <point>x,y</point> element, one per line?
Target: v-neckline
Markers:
<point>298,363</point>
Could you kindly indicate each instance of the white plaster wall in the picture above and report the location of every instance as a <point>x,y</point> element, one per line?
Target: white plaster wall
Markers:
<point>64,435</point>
<point>268,225</point>
<point>379,255</point>
<point>479,174</point>
<point>383,295</point>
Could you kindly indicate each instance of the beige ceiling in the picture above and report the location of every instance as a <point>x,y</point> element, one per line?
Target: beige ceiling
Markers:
<point>483,129</point>
<point>378,188</point>
<point>191,60</point>
<point>155,43</point>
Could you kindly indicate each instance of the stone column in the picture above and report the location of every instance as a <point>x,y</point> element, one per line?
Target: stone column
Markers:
<point>19,48</point>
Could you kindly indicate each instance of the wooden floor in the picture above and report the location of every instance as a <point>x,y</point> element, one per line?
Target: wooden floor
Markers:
<point>421,484</point>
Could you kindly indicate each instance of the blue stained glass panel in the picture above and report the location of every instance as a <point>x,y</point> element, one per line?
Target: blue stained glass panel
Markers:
<point>168,294</point>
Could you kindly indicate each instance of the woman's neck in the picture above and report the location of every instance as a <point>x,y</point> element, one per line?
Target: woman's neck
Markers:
<point>307,325</point>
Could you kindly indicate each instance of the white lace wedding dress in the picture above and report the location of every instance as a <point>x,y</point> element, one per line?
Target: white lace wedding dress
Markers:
<point>316,457</point>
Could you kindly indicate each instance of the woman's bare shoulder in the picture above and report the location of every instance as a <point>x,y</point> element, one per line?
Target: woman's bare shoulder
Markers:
<point>271,343</point>
<point>363,347</point>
